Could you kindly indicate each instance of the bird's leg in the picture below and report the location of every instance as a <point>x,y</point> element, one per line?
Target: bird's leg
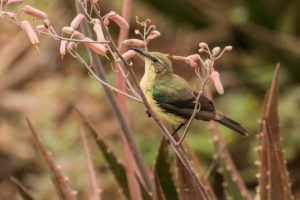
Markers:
<point>177,129</point>
<point>148,113</point>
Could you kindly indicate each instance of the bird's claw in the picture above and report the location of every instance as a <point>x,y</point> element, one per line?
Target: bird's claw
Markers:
<point>148,113</point>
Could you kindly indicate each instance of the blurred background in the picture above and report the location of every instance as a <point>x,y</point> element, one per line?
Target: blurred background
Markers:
<point>43,87</point>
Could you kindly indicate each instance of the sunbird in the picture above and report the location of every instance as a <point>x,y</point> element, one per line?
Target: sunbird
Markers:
<point>172,98</point>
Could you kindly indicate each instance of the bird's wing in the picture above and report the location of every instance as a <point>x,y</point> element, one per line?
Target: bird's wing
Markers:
<point>176,92</point>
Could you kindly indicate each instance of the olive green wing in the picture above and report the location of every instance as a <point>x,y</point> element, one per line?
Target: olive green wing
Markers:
<point>177,92</point>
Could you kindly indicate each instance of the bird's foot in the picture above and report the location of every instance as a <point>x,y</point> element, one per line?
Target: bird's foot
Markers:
<point>148,113</point>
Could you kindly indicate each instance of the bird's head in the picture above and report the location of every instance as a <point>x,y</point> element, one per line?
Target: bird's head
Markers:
<point>156,62</point>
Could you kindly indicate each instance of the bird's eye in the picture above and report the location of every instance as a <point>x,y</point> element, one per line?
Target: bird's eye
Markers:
<point>155,60</point>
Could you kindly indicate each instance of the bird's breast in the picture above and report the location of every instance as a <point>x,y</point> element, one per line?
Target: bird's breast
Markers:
<point>147,83</point>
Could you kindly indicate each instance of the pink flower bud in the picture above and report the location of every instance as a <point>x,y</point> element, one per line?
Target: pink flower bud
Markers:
<point>216,51</point>
<point>62,49</point>
<point>201,50</point>
<point>218,85</point>
<point>152,27</point>
<point>120,21</point>
<point>228,48</point>
<point>137,31</point>
<point>68,30</point>
<point>98,30</point>
<point>98,48</point>
<point>203,45</point>
<point>134,42</point>
<point>42,28</point>
<point>30,32</point>
<point>9,14</point>
<point>14,2</point>
<point>127,55</point>
<point>77,20</point>
<point>153,34</point>
<point>35,12</point>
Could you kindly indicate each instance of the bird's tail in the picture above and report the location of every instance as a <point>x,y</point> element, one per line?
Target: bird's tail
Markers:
<point>233,125</point>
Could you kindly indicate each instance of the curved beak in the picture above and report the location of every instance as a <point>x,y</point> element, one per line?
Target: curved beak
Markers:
<point>141,52</point>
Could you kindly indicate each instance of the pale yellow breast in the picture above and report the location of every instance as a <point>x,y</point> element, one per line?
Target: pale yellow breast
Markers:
<point>146,85</point>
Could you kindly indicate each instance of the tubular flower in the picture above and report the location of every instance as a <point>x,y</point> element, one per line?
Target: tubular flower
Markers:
<point>77,20</point>
<point>217,82</point>
<point>35,12</point>
<point>134,42</point>
<point>98,30</point>
<point>68,30</point>
<point>62,49</point>
<point>30,32</point>
<point>11,15</point>
<point>127,55</point>
<point>14,2</point>
<point>120,21</point>
<point>98,48</point>
<point>153,34</point>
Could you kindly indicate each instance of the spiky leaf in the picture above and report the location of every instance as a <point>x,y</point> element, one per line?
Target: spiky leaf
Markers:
<point>233,182</point>
<point>24,192</point>
<point>60,182</point>
<point>162,168</point>
<point>115,166</point>
<point>94,189</point>
<point>272,173</point>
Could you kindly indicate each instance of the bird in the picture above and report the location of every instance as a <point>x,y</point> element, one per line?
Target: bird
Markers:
<point>172,98</point>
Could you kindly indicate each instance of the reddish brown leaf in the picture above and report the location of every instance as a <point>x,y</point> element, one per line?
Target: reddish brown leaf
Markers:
<point>273,179</point>
<point>24,192</point>
<point>94,189</point>
<point>162,171</point>
<point>159,192</point>
<point>200,170</point>
<point>187,187</point>
<point>60,182</point>
<point>236,185</point>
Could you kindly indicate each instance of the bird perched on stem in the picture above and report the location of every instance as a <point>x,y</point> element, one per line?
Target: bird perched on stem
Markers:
<point>172,98</point>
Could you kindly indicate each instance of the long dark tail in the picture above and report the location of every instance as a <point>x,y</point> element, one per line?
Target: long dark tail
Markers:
<point>233,125</point>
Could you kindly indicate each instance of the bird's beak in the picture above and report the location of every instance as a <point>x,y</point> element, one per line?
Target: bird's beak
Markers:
<point>140,51</point>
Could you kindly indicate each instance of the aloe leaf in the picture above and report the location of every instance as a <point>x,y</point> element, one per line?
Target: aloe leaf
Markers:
<point>162,169</point>
<point>233,182</point>
<point>200,170</point>
<point>159,192</point>
<point>146,195</point>
<point>24,192</point>
<point>94,189</point>
<point>187,187</point>
<point>60,182</point>
<point>115,166</point>
<point>273,179</point>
